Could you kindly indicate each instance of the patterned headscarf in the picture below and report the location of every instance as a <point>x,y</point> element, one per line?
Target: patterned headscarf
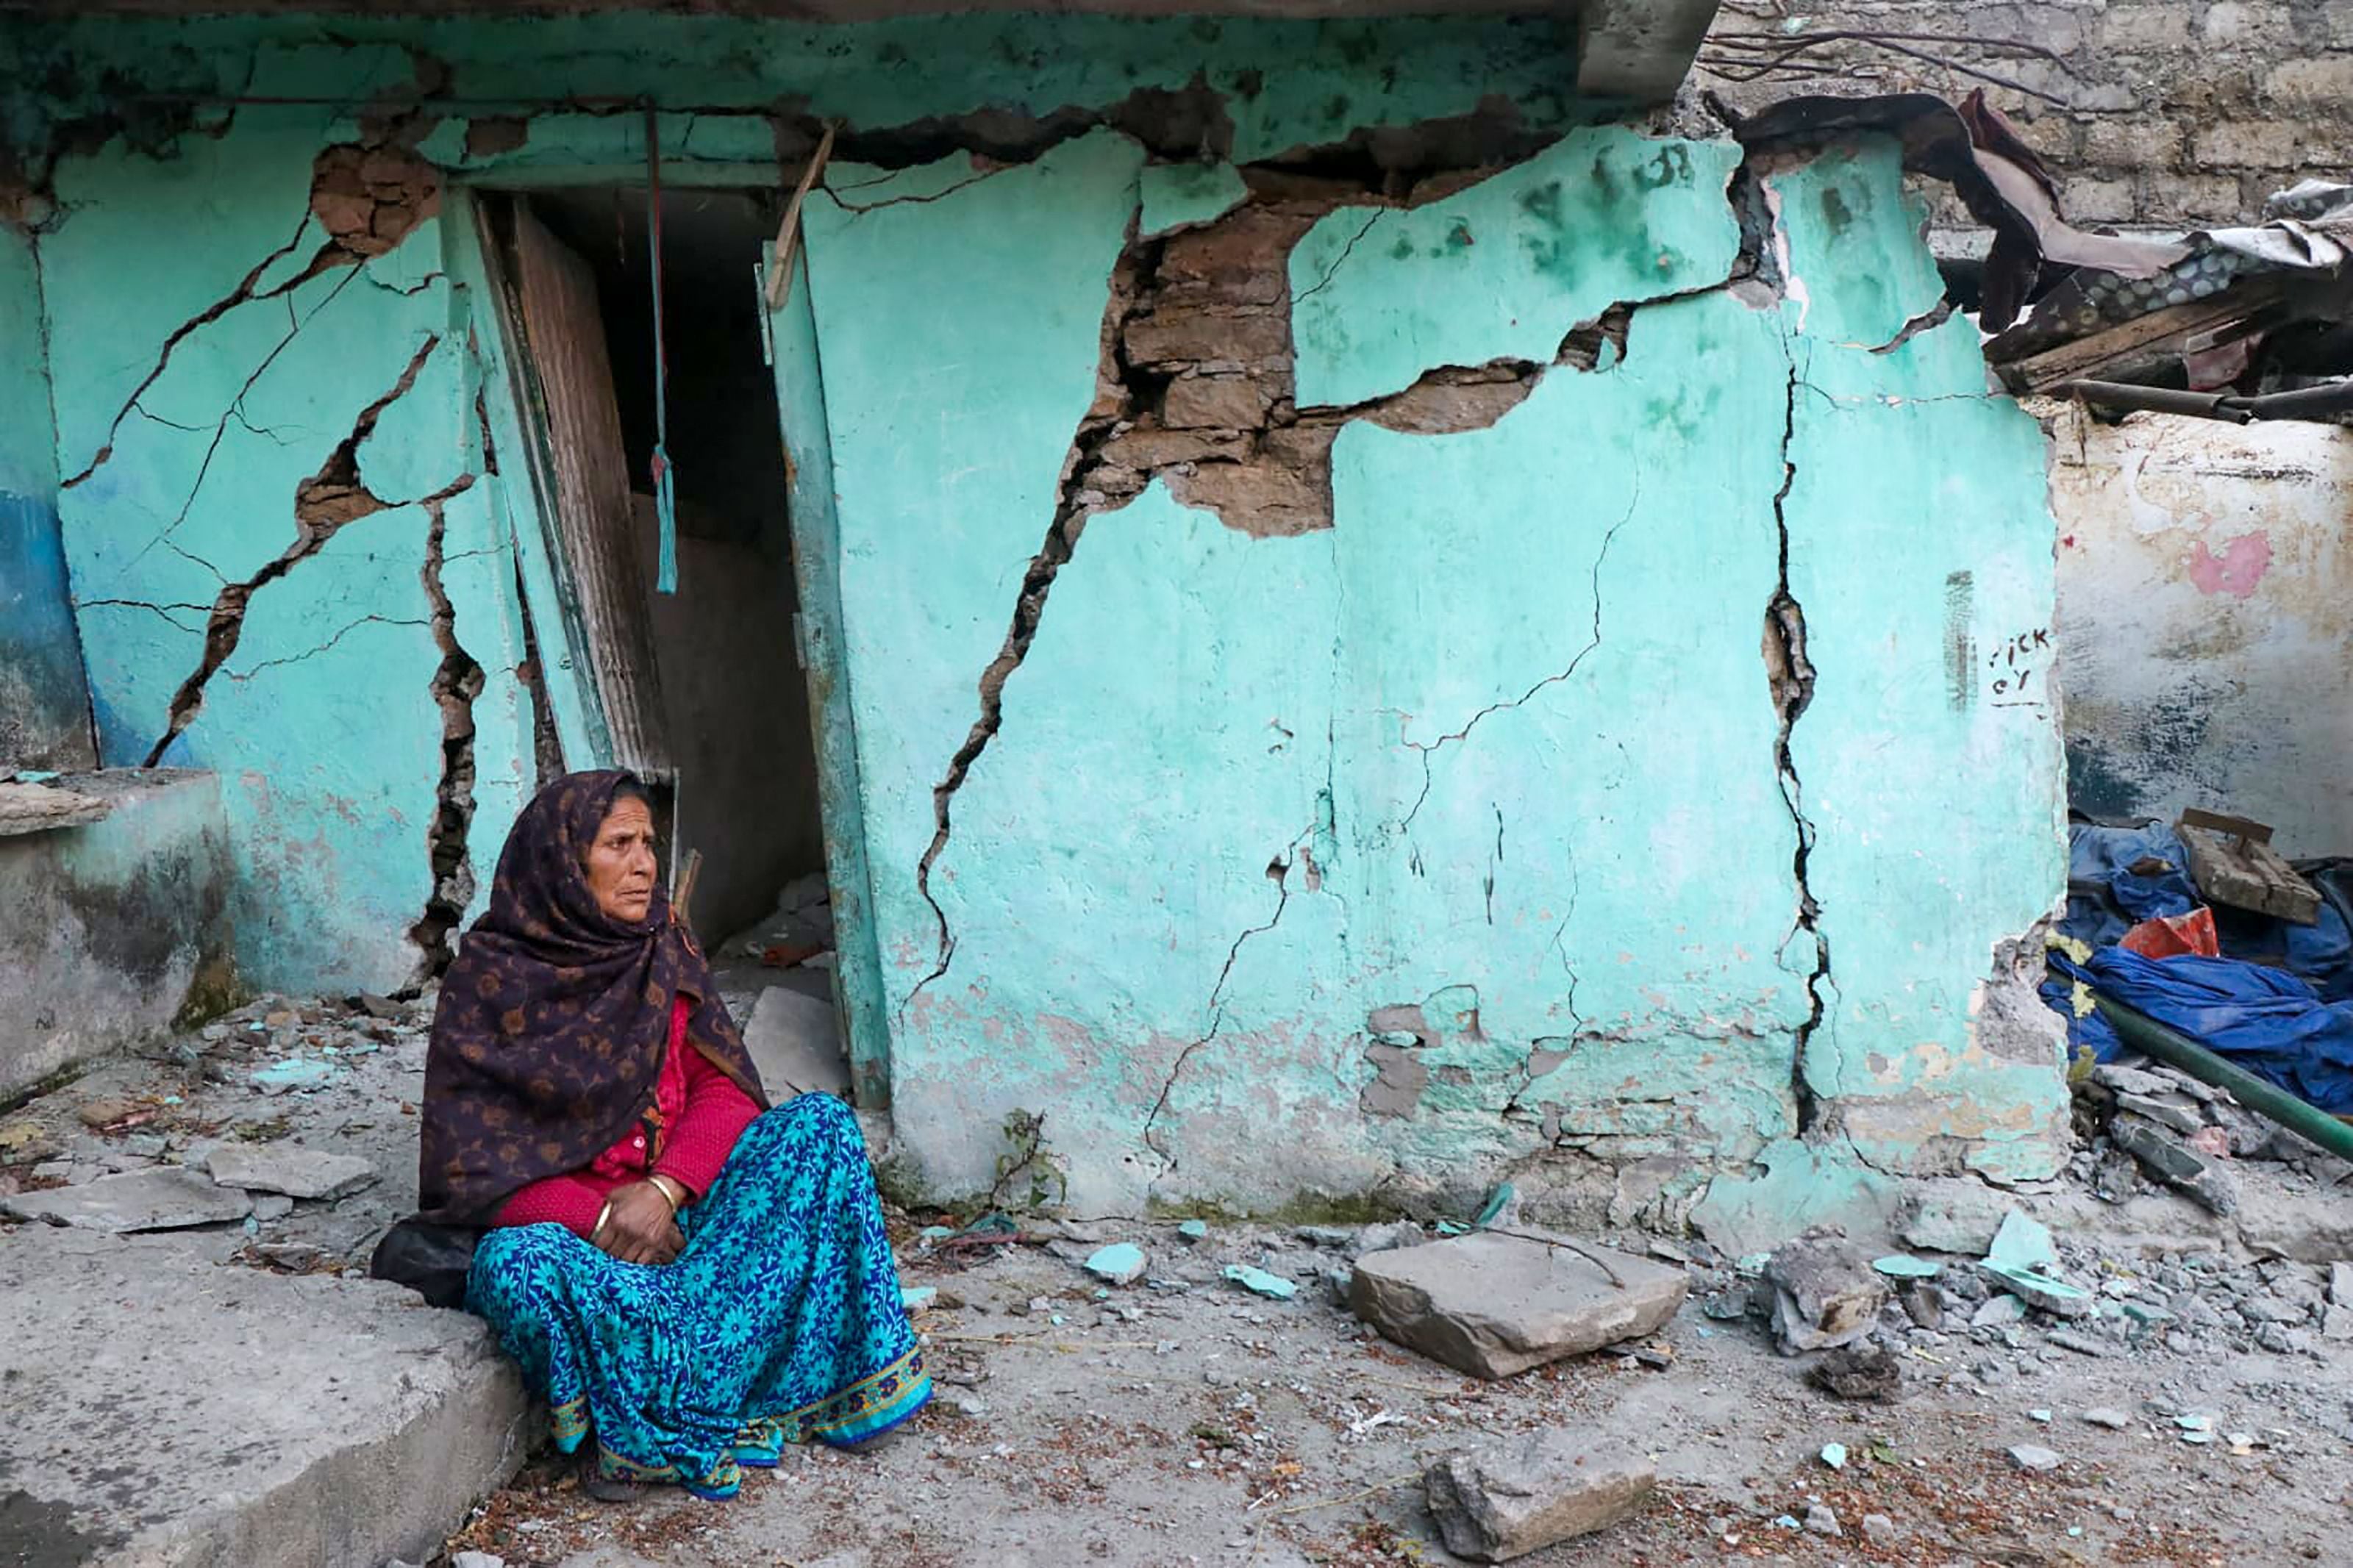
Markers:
<point>553,1019</point>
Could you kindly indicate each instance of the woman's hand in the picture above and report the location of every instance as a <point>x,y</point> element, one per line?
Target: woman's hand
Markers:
<point>639,1225</point>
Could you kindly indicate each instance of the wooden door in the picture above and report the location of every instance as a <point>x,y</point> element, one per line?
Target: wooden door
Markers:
<point>580,472</point>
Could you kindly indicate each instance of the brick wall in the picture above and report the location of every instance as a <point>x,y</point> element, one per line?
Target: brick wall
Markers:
<point>2178,113</point>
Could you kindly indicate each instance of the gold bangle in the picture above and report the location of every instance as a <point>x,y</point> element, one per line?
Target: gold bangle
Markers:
<point>602,1216</point>
<point>661,1185</point>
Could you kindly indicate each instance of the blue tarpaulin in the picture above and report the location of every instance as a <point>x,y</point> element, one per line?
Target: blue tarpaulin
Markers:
<point>2279,1001</point>
<point>2269,1022</point>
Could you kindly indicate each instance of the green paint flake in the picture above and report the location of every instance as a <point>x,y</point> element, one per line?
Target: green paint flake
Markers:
<point>1181,196</point>
<point>1505,267</point>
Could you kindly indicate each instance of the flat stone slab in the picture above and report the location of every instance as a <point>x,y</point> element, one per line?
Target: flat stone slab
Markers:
<point>165,1198</point>
<point>1492,1304</point>
<point>166,1411</point>
<point>290,1169</point>
<point>1527,1493</point>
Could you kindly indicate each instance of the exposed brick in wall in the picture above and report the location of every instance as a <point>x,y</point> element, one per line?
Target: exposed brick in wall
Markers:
<point>2181,114</point>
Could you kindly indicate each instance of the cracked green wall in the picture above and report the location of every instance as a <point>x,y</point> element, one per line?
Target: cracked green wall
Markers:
<point>1445,842</point>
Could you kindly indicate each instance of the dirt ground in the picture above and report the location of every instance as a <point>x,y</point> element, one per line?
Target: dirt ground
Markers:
<point>1187,1422</point>
<point>1180,1420</point>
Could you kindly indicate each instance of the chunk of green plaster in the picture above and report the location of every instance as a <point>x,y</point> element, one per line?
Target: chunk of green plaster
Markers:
<point>1181,196</point>
<point>1258,1282</point>
<point>1504,269</point>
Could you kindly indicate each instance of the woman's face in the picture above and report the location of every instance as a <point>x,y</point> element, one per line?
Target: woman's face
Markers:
<point>621,862</point>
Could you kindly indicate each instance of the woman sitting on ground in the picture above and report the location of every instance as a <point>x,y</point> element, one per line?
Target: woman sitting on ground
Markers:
<point>696,1279</point>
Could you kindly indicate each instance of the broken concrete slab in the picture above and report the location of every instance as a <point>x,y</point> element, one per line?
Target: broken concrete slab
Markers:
<point>1493,1304</point>
<point>168,1198</point>
<point>290,1169</point>
<point>1824,1293</point>
<point>1518,1496</point>
<point>796,1042</point>
<point>164,1410</point>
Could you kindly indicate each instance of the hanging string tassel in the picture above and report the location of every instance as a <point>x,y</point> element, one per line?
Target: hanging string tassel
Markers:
<point>665,488</point>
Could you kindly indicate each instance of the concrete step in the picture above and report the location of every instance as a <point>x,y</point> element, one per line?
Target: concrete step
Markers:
<point>167,1410</point>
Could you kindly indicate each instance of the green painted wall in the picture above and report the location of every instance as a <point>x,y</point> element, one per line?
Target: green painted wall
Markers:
<point>1452,841</point>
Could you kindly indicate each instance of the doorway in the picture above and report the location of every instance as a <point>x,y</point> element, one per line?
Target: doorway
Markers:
<point>702,688</point>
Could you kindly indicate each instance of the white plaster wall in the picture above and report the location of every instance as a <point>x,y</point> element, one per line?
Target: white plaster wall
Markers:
<point>2206,620</point>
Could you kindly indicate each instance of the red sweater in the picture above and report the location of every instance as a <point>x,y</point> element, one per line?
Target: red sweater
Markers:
<point>697,1114</point>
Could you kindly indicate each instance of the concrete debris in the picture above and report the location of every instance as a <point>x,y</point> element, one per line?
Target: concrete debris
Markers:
<point>302,1074</point>
<point>1955,1218</point>
<point>1493,1304</point>
<point>1822,1520</point>
<point>1998,1311</point>
<point>1522,1496</point>
<point>478,1559</point>
<point>2101,1415</point>
<point>162,1199</point>
<point>1258,1282</point>
<point>2174,1162</point>
<point>1194,1231</point>
<point>1824,1294</point>
<point>1880,1529</point>
<point>2022,1243</point>
<point>2033,1457</point>
<point>1857,1371</point>
<point>290,1169</point>
<point>1121,1263</point>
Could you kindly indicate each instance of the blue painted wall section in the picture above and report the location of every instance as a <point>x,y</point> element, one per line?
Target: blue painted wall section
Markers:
<point>1583,792</point>
<point>44,701</point>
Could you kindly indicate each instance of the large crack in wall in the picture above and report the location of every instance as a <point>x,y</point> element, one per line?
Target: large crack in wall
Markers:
<point>328,501</point>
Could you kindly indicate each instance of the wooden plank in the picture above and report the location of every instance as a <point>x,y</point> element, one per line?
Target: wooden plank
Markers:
<point>564,336</point>
<point>2128,344</point>
<point>2232,862</point>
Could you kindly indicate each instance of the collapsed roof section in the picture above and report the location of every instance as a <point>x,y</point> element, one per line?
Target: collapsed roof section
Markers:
<point>2235,323</point>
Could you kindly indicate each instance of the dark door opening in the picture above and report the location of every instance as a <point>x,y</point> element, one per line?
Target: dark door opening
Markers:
<point>732,701</point>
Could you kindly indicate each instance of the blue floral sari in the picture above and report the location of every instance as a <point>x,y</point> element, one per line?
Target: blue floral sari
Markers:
<point>780,1322</point>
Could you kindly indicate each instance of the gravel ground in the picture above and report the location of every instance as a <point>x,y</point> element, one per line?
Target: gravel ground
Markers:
<point>1180,1420</point>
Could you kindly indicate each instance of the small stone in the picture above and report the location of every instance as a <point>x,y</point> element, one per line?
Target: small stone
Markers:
<point>1822,1520</point>
<point>1324,1235</point>
<point>1959,1219</point>
<point>1492,1305</point>
<point>2337,1322</point>
<point>1194,1231</point>
<point>1857,1371</point>
<point>290,1169</point>
<point>1824,1295</point>
<point>2076,1343</point>
<point>1998,1311</point>
<point>106,1112</point>
<point>273,1205</point>
<point>2033,1457</point>
<point>478,1559</point>
<point>2340,1284</point>
<point>1903,1265</point>
<point>1834,1456</point>
<point>1520,1496</point>
<point>1122,1263</point>
<point>2056,1297</point>
<point>2274,1339</point>
<point>376,1006</point>
<point>2101,1415</point>
<point>1880,1529</point>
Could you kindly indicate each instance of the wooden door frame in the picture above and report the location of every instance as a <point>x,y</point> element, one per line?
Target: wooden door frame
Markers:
<point>791,350</point>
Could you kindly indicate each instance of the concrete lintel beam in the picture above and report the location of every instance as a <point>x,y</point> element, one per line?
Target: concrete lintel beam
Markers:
<point>1638,50</point>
